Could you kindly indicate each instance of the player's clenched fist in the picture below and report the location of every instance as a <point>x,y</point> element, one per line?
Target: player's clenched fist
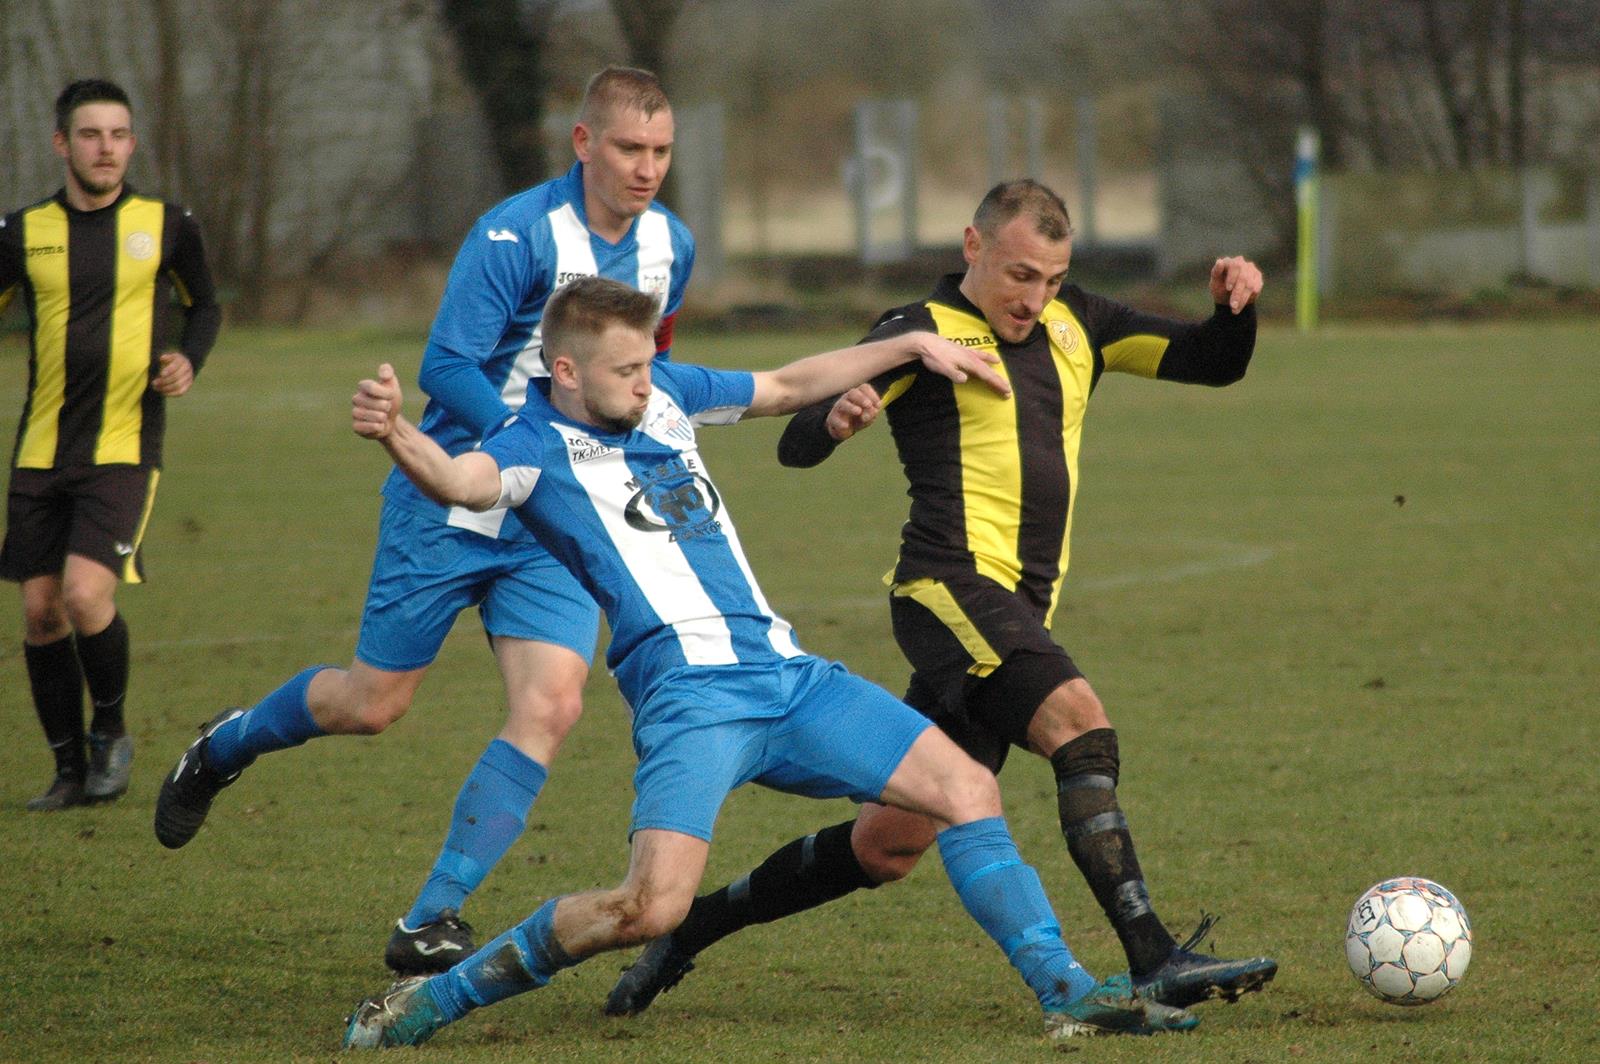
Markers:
<point>376,404</point>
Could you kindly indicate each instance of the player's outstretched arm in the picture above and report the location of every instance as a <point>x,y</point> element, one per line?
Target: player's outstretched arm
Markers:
<point>471,480</point>
<point>808,380</point>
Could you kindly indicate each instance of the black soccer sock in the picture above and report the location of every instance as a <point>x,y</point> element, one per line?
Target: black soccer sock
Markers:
<point>57,684</point>
<point>1101,846</point>
<point>802,875</point>
<point>105,665</point>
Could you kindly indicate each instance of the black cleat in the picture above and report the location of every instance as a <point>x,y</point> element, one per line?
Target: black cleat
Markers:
<point>110,765</point>
<point>434,947</point>
<point>658,968</point>
<point>188,790</point>
<point>64,791</point>
<point>1187,978</point>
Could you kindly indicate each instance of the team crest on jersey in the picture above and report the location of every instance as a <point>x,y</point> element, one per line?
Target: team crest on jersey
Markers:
<point>676,498</point>
<point>1062,335</point>
<point>140,245</point>
<point>670,422</point>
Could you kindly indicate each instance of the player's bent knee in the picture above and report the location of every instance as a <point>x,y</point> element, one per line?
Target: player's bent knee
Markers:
<point>883,866</point>
<point>974,794</point>
<point>638,917</point>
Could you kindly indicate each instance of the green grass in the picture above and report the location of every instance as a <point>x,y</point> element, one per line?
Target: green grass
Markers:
<point>1316,687</point>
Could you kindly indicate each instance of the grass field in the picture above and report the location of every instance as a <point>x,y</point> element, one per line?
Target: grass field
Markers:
<point>1345,616</point>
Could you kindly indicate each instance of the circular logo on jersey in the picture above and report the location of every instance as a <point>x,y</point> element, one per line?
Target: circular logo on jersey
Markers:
<point>685,507</point>
<point>1062,335</point>
<point>140,245</point>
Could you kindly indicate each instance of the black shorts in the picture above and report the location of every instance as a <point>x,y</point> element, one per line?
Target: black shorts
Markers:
<point>981,659</point>
<point>98,512</point>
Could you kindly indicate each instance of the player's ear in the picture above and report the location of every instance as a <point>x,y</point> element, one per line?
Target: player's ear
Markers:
<point>971,244</point>
<point>564,372</point>
<point>581,138</point>
<point>58,140</point>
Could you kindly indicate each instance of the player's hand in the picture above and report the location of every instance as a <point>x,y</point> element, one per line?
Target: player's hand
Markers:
<point>959,363</point>
<point>853,411</point>
<point>174,374</point>
<point>1235,281</point>
<point>376,405</point>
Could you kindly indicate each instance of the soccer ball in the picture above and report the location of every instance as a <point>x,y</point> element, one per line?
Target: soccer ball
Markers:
<point>1409,941</point>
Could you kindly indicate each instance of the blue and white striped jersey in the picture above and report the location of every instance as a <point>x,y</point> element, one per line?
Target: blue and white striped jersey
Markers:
<point>636,518</point>
<point>485,343</point>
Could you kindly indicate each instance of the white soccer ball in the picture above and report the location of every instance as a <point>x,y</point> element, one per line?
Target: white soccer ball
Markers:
<point>1409,941</point>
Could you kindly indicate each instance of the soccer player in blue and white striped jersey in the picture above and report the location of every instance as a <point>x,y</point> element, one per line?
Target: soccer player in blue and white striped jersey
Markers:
<point>602,464</point>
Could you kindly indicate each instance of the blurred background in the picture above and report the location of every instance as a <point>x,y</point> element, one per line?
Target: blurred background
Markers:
<point>336,150</point>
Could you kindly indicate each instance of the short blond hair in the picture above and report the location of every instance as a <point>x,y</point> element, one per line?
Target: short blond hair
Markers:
<point>620,88</point>
<point>581,310</point>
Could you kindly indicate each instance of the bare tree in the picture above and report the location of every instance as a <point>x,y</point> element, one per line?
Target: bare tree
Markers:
<point>502,46</point>
<point>647,28</point>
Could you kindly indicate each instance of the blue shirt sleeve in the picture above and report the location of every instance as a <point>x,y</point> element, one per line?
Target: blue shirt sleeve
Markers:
<point>494,274</point>
<point>698,389</point>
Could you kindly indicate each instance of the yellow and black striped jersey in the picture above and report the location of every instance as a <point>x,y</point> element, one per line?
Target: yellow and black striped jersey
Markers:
<point>99,289</point>
<point>993,480</point>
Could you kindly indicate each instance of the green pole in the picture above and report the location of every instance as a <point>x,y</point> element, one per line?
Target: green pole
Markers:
<point>1308,150</point>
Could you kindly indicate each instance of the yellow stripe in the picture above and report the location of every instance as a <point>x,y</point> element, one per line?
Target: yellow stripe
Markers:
<point>130,571</point>
<point>1074,362</point>
<point>937,598</point>
<point>991,464</point>
<point>1139,355</point>
<point>139,225</point>
<point>43,230</point>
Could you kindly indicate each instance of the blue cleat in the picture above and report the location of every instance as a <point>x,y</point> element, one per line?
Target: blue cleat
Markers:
<point>406,1015</point>
<point>1114,1007</point>
<point>1187,978</point>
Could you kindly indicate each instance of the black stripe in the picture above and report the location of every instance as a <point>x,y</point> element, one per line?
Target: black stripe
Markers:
<point>1045,484</point>
<point>91,281</point>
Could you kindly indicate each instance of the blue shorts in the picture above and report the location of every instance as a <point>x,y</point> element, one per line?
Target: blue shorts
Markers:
<point>427,572</point>
<point>803,726</point>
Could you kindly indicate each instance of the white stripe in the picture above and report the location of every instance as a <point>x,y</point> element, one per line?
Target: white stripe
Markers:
<point>574,258</point>
<point>657,565</point>
<point>719,415</point>
<point>780,635</point>
<point>485,523</point>
<point>516,484</point>
<point>654,237</point>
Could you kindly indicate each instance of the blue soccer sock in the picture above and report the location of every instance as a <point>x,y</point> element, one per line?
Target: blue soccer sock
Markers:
<point>279,721</point>
<point>520,960</point>
<point>490,813</point>
<point>1008,901</point>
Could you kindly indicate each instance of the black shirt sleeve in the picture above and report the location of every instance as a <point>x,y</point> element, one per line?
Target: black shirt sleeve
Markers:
<point>202,316</point>
<point>806,441</point>
<point>1215,352</point>
<point>12,268</point>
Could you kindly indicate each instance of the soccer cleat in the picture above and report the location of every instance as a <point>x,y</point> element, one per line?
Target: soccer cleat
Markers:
<point>658,968</point>
<point>406,1015</point>
<point>110,765</point>
<point>1114,1008</point>
<point>188,790</point>
<point>65,790</point>
<point>433,947</point>
<point>1187,978</point>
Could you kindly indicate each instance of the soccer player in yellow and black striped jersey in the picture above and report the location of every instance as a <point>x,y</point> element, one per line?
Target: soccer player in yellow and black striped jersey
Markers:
<point>982,559</point>
<point>99,267</point>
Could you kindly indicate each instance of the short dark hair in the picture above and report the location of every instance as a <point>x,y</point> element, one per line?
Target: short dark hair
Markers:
<point>88,90</point>
<point>1025,196</point>
<point>618,88</point>
<point>582,309</point>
